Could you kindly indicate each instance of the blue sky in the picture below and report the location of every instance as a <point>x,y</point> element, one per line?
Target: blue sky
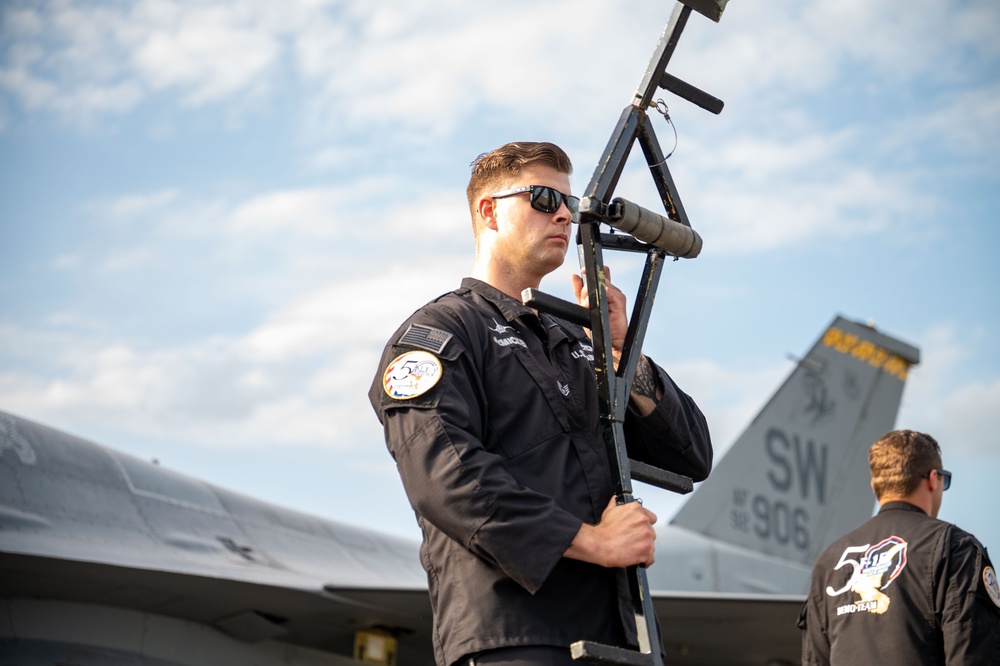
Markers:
<point>215,213</point>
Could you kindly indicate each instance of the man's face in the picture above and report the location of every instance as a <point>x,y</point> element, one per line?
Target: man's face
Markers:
<point>530,241</point>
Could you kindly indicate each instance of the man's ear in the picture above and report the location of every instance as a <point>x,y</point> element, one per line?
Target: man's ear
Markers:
<point>487,212</point>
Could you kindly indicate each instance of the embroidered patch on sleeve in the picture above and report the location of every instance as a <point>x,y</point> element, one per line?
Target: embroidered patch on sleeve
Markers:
<point>426,337</point>
<point>992,586</point>
<point>411,374</point>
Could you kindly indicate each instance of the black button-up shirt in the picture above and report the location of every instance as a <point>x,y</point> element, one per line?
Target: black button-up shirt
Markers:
<point>504,458</point>
<point>904,588</point>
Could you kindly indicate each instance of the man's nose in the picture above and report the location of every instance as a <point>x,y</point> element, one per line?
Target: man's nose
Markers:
<point>563,214</point>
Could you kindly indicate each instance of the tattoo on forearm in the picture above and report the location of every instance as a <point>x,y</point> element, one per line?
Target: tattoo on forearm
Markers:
<point>645,383</point>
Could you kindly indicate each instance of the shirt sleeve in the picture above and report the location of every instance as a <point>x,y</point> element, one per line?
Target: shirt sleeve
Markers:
<point>970,616</point>
<point>459,486</point>
<point>812,622</point>
<point>674,436</point>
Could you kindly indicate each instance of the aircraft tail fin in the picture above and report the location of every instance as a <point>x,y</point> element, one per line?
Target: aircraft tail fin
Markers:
<point>798,477</point>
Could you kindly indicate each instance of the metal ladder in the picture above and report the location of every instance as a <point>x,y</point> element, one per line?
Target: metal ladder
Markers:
<point>657,236</point>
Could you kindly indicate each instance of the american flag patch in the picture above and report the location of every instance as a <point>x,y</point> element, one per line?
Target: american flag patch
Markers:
<point>426,337</point>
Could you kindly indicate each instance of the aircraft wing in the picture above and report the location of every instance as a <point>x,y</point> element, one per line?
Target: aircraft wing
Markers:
<point>87,532</point>
<point>729,629</point>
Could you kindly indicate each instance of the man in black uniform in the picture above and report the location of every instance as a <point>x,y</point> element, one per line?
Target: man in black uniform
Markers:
<point>904,588</point>
<point>491,413</point>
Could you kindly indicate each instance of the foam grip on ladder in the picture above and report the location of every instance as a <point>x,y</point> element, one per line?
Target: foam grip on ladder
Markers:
<point>677,239</point>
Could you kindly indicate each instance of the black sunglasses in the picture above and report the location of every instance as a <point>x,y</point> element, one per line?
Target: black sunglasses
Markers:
<point>545,199</point>
<point>945,477</point>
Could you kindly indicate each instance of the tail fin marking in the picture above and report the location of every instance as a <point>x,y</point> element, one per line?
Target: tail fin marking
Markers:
<point>798,476</point>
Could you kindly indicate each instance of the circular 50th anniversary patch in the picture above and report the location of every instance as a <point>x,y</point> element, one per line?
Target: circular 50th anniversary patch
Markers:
<point>411,374</point>
<point>992,587</point>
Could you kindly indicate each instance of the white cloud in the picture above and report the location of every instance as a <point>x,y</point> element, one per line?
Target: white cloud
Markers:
<point>967,123</point>
<point>797,208</point>
<point>776,49</point>
<point>730,397</point>
<point>394,64</point>
<point>34,92</point>
<point>127,260</point>
<point>209,53</point>
<point>206,392</point>
<point>81,59</point>
<point>950,397</point>
<point>22,20</point>
<point>359,312</point>
<point>317,212</point>
<point>971,413</point>
<point>66,261</point>
<point>368,208</point>
<point>299,378</point>
<point>132,205</point>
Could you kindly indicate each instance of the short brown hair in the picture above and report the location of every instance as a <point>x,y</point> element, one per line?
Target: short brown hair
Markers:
<point>494,170</point>
<point>899,459</point>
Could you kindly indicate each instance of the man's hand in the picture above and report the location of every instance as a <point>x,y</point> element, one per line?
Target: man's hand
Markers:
<point>645,388</point>
<point>617,304</point>
<point>623,537</point>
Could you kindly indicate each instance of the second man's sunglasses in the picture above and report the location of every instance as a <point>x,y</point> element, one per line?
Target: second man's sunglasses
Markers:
<point>943,474</point>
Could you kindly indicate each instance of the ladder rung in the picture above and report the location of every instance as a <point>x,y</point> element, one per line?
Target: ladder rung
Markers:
<point>607,654</point>
<point>554,305</point>
<point>694,95</point>
<point>660,478</point>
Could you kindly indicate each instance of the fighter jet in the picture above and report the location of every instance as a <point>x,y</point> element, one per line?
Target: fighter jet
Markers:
<point>109,559</point>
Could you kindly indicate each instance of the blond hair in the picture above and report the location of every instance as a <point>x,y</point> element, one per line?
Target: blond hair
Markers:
<point>899,459</point>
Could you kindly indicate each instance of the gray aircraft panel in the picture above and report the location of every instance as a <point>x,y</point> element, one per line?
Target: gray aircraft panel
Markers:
<point>90,503</point>
<point>83,634</point>
<point>83,523</point>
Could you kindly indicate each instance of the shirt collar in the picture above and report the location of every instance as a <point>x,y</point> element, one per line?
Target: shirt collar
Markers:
<point>900,506</point>
<point>510,308</point>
